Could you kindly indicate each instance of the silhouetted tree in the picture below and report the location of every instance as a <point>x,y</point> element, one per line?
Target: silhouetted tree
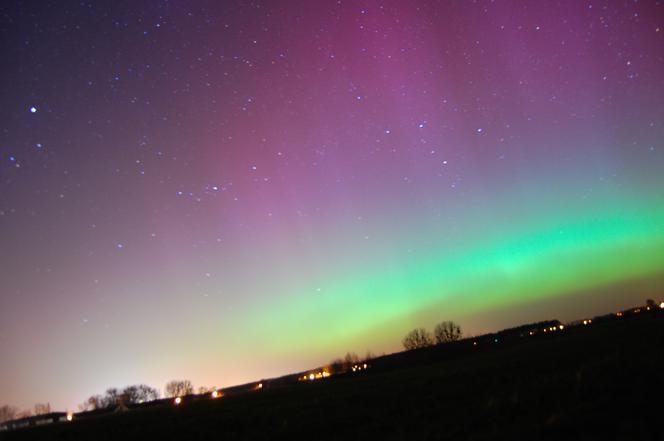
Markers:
<point>417,338</point>
<point>350,359</point>
<point>447,331</point>
<point>337,366</point>
<point>111,398</point>
<point>42,408</point>
<point>140,393</point>
<point>341,365</point>
<point>92,403</point>
<point>179,388</point>
<point>7,413</point>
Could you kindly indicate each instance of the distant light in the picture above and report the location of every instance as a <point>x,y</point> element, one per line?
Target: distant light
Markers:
<point>260,386</point>
<point>561,327</point>
<point>474,343</point>
<point>312,376</point>
<point>70,416</point>
<point>33,109</point>
<point>585,322</point>
<point>364,365</point>
<point>12,158</point>
<point>661,305</point>
<point>177,401</point>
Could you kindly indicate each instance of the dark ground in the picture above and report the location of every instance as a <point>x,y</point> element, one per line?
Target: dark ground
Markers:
<point>602,381</point>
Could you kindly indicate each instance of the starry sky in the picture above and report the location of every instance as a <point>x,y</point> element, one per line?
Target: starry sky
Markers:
<point>225,191</point>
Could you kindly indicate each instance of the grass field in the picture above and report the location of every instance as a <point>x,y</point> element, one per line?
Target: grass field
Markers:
<point>593,382</point>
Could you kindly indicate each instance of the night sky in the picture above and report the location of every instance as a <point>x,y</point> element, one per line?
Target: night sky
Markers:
<point>225,191</point>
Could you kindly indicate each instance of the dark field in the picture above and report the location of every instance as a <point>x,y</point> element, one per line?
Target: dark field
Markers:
<point>597,382</point>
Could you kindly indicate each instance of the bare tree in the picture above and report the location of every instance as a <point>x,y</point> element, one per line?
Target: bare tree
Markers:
<point>341,365</point>
<point>350,359</point>
<point>140,393</point>
<point>337,366</point>
<point>42,408</point>
<point>447,331</point>
<point>111,398</point>
<point>206,390</point>
<point>179,388</point>
<point>417,338</point>
<point>7,413</point>
<point>93,403</point>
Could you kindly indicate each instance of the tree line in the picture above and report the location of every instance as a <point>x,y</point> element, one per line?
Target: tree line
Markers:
<point>443,332</point>
<point>137,394</point>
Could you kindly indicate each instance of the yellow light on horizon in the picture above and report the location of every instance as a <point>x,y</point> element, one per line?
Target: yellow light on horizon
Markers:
<point>177,401</point>
<point>661,305</point>
<point>260,386</point>
<point>312,377</point>
<point>70,416</point>
<point>215,394</point>
<point>561,327</point>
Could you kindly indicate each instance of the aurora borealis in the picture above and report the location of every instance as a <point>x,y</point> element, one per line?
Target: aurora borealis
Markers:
<point>226,191</point>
